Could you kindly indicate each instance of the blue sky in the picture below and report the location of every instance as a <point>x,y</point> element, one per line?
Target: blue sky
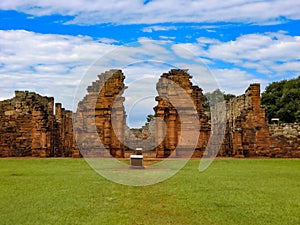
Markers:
<point>49,46</point>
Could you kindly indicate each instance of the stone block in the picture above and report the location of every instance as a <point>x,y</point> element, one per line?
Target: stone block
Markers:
<point>136,161</point>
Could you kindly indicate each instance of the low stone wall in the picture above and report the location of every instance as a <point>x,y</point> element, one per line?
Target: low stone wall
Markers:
<point>285,140</point>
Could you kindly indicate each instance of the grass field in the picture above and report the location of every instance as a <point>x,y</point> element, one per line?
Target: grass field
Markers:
<point>68,191</point>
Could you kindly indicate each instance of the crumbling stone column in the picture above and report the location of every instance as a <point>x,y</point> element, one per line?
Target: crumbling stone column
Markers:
<point>160,130</point>
<point>102,109</point>
<point>171,85</point>
<point>171,141</point>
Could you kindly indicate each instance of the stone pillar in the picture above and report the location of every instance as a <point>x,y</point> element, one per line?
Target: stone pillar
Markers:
<point>107,134</point>
<point>58,113</point>
<point>104,96</point>
<point>160,132</point>
<point>119,136</point>
<point>254,92</point>
<point>172,134</point>
<point>43,151</point>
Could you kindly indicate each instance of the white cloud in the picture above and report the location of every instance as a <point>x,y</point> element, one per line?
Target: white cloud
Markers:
<point>160,11</point>
<point>236,81</point>
<point>45,63</point>
<point>205,41</point>
<point>151,29</point>
<point>188,50</point>
<point>271,46</point>
<point>54,65</point>
<point>167,37</point>
<point>140,95</point>
<point>108,40</point>
<point>270,53</point>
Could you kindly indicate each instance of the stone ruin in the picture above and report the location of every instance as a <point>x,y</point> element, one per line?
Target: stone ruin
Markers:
<point>284,140</point>
<point>247,131</point>
<point>168,113</point>
<point>29,126</point>
<point>94,117</point>
<point>101,113</point>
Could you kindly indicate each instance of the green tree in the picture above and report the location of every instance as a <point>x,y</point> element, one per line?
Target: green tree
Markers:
<point>215,97</point>
<point>149,118</point>
<point>282,100</point>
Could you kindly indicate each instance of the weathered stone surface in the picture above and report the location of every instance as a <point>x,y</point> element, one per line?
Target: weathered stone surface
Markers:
<point>28,127</point>
<point>247,132</point>
<point>176,86</point>
<point>101,115</point>
<point>137,138</point>
<point>285,140</point>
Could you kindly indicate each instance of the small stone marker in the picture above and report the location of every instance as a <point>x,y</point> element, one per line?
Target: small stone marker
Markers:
<point>136,161</point>
<point>138,151</point>
<point>275,120</point>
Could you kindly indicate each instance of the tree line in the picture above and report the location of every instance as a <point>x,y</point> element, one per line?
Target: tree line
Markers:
<point>282,100</point>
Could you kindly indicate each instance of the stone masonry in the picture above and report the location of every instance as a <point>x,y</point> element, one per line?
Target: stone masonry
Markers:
<point>247,132</point>
<point>285,140</point>
<point>29,126</point>
<point>172,84</point>
<point>94,117</point>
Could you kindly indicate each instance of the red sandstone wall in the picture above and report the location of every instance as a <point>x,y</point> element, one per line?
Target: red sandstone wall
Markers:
<point>166,112</point>
<point>94,117</point>
<point>285,140</point>
<point>247,131</point>
<point>28,127</point>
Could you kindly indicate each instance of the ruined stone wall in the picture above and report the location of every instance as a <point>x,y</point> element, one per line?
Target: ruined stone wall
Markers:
<point>175,86</point>
<point>28,127</point>
<point>285,140</point>
<point>64,142</point>
<point>247,132</point>
<point>101,114</point>
<point>94,117</point>
<point>141,138</point>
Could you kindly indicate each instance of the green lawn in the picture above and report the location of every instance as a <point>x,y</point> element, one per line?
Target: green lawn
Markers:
<point>68,191</point>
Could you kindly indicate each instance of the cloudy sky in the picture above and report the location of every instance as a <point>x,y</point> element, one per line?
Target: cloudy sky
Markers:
<point>50,46</point>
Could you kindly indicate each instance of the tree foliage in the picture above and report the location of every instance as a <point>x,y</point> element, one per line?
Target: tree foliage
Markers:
<point>214,97</point>
<point>282,100</point>
<point>149,118</point>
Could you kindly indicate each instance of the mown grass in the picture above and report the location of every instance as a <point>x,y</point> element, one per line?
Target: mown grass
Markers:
<point>68,191</point>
